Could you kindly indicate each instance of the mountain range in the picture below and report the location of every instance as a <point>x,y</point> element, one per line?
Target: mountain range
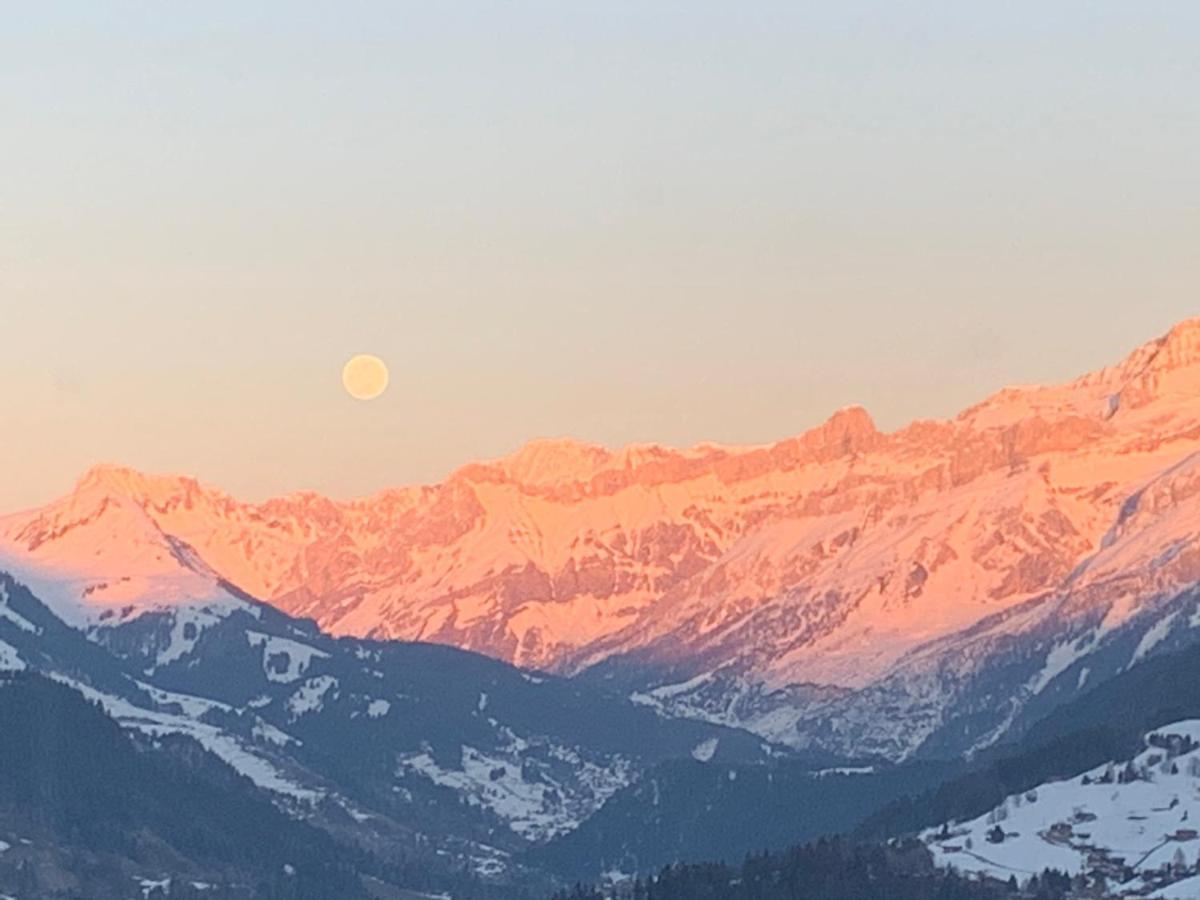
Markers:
<point>798,589</point>
<point>573,660</point>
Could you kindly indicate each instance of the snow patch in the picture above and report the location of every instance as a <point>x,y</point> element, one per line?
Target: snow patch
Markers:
<point>377,709</point>
<point>1154,636</point>
<point>194,707</point>
<point>297,657</point>
<point>667,691</point>
<point>149,885</point>
<point>310,696</point>
<point>10,660</point>
<point>1060,658</point>
<point>269,734</point>
<point>1187,889</point>
<point>7,612</point>
<point>187,626</point>
<point>703,751</point>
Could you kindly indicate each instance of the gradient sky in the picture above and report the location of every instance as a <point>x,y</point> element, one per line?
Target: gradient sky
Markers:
<point>625,221</point>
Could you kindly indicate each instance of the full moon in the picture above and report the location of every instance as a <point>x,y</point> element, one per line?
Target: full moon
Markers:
<point>365,377</point>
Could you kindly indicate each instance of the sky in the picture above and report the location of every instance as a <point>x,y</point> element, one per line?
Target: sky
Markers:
<point>620,221</point>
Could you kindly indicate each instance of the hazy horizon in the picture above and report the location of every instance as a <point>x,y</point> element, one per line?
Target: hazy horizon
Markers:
<point>624,224</point>
<point>455,465</point>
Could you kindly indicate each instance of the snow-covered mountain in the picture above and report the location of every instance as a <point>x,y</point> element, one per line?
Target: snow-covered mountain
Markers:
<point>845,587</point>
<point>1132,826</point>
<point>407,750</point>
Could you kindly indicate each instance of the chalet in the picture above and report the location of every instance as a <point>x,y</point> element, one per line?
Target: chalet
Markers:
<point>1060,831</point>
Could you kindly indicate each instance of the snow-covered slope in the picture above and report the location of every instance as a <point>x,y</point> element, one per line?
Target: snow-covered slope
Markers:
<point>844,587</point>
<point>1135,823</point>
<point>462,750</point>
<point>99,556</point>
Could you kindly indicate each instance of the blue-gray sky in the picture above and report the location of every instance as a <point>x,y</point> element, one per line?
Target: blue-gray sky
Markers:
<point>624,221</point>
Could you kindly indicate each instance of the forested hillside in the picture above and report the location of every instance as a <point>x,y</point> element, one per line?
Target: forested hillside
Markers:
<point>86,812</point>
<point>826,870</point>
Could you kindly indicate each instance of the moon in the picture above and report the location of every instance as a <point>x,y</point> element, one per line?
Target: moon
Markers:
<point>365,377</point>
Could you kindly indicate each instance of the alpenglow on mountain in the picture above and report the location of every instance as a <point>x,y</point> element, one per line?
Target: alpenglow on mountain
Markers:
<point>925,589</point>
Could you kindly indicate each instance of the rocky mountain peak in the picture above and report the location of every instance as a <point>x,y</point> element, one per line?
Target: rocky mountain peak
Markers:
<point>1166,367</point>
<point>128,483</point>
<point>548,461</point>
<point>1180,346</point>
<point>852,425</point>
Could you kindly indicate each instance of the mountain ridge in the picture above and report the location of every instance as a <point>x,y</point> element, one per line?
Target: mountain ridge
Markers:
<point>834,558</point>
<point>1142,368</point>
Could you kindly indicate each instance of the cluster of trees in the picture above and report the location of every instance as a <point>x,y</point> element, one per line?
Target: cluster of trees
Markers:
<point>84,787</point>
<point>986,787</point>
<point>1174,744</point>
<point>691,812</point>
<point>831,869</point>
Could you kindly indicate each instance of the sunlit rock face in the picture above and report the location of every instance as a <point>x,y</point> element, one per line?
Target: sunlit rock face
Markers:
<point>840,558</point>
